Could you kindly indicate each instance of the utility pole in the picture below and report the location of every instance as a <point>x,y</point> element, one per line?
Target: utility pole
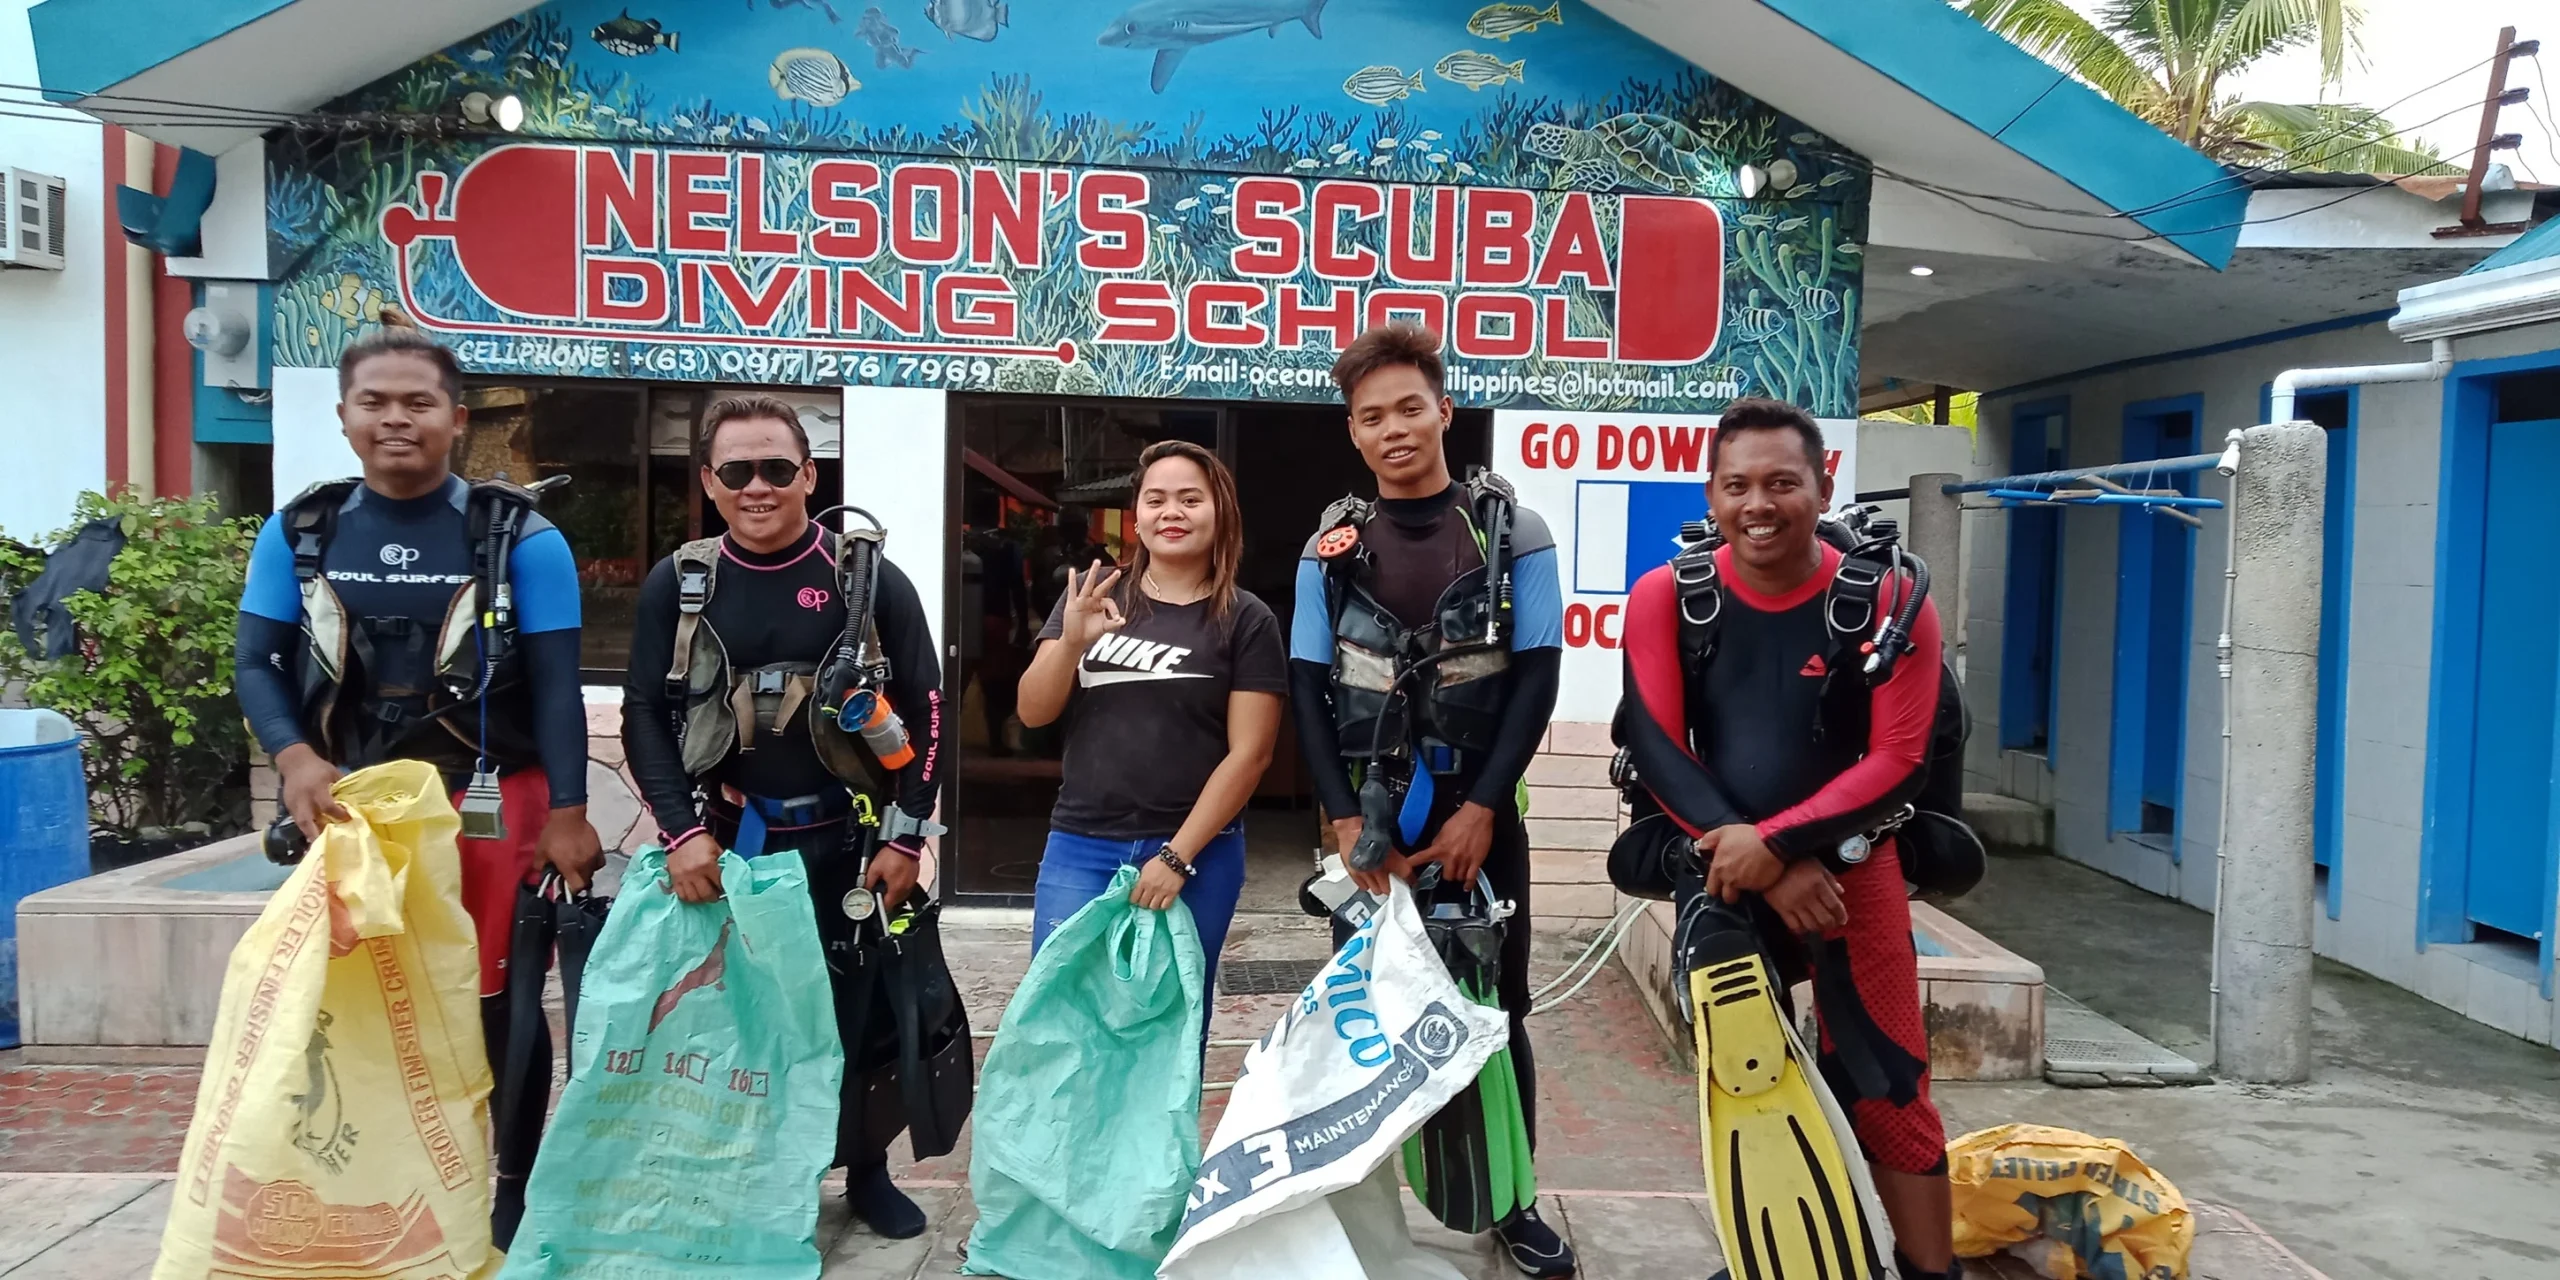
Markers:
<point>2491,140</point>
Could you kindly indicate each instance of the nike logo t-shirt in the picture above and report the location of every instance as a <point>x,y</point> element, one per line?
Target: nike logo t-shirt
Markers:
<point>1147,723</point>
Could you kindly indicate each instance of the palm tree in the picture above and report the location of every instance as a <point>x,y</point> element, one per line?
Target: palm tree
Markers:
<point>2164,60</point>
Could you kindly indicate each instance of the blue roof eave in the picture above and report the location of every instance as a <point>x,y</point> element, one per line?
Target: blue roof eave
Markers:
<point>86,47</point>
<point>2060,124</point>
<point>2533,246</point>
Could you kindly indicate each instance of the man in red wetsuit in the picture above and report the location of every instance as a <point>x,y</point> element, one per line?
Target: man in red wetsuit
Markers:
<point>1737,754</point>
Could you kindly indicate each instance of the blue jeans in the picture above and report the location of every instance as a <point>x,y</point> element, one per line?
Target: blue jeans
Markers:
<point>1074,870</point>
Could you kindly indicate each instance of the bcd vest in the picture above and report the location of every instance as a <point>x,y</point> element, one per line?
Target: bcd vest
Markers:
<point>727,711</point>
<point>469,658</point>
<point>1941,856</point>
<point>1400,688</point>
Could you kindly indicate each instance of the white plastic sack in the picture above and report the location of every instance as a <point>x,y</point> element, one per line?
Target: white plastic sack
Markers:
<point>1297,1184</point>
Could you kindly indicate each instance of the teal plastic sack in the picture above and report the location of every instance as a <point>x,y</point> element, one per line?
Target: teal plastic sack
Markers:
<point>1088,1120</point>
<point>701,1105</point>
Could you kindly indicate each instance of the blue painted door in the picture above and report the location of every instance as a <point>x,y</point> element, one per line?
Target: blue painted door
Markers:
<point>2164,724</point>
<point>2335,414</point>
<point>2028,598</point>
<point>2155,574</point>
<point>2519,647</point>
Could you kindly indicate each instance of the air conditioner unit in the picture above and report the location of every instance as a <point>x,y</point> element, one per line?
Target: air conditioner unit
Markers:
<point>31,230</point>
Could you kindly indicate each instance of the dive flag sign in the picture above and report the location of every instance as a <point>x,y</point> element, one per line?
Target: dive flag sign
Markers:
<point>1615,488</point>
<point>1622,529</point>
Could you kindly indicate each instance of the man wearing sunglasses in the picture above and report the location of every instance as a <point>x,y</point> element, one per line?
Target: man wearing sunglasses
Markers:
<point>722,728</point>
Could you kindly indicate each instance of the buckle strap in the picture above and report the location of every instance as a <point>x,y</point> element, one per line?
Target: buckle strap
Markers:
<point>1850,609</point>
<point>788,690</point>
<point>805,810</point>
<point>694,566</point>
<point>902,823</point>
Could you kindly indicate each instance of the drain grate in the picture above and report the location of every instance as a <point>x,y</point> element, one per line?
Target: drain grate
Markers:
<point>1268,977</point>
<point>2081,1042</point>
<point>2070,1053</point>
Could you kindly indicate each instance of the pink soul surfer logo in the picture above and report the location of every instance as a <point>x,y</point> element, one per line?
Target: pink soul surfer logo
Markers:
<point>813,597</point>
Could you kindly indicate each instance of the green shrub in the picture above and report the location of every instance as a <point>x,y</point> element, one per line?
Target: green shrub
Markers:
<point>150,684</point>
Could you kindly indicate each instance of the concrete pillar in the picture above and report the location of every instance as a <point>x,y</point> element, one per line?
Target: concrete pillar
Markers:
<point>2262,926</point>
<point>1936,536</point>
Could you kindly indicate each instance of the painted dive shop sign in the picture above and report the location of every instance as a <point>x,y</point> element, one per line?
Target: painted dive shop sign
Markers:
<point>617,261</point>
<point>1161,198</point>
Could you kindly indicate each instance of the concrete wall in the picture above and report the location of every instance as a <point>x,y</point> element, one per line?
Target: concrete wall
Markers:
<point>2390,648</point>
<point>1889,454</point>
<point>52,323</point>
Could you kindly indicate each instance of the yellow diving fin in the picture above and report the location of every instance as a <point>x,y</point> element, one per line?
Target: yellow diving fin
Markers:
<point>1793,1198</point>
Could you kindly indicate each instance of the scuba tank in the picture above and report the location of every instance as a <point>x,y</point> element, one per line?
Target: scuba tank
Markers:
<point>851,682</point>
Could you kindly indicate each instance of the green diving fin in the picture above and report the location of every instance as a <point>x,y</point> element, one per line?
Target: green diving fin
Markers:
<point>1469,1164</point>
<point>1792,1196</point>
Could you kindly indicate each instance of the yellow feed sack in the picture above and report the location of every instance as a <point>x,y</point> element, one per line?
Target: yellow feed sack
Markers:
<point>341,1126</point>
<point>2079,1207</point>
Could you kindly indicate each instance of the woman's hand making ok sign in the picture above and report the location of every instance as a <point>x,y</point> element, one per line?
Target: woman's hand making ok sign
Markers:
<point>1091,612</point>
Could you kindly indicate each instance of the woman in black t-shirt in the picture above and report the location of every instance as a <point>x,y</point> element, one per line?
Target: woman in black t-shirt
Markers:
<point>1172,680</point>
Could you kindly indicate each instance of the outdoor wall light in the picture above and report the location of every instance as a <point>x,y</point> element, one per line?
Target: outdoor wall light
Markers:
<point>1924,271</point>
<point>507,113</point>
<point>1748,180</point>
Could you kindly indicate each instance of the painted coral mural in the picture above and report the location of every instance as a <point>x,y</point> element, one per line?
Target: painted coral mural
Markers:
<point>1169,198</point>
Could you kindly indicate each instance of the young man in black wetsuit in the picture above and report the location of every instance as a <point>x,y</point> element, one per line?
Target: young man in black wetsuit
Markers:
<point>1420,540</point>
<point>774,603</point>
<point>387,558</point>
<point>1734,753</point>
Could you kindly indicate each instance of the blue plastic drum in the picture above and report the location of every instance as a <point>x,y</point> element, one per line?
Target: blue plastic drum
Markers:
<point>44,829</point>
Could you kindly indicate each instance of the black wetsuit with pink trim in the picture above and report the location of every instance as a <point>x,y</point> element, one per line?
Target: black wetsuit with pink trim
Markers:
<point>1746,741</point>
<point>767,608</point>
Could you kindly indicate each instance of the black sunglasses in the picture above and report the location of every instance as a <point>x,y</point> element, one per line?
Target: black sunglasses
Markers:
<point>777,472</point>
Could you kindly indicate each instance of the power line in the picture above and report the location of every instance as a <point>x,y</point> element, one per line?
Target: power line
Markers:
<point>208,107</point>
<point>1967,199</point>
<point>2164,205</point>
<point>2550,135</point>
<point>2245,171</point>
<point>1958,197</point>
<point>39,111</point>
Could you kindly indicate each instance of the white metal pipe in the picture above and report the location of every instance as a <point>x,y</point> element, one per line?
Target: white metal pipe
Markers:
<point>2222,665</point>
<point>2438,363</point>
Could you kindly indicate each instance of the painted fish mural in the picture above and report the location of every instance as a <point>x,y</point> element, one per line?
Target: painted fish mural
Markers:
<point>822,5</point>
<point>1176,27</point>
<point>1380,85</point>
<point>632,37</point>
<point>1476,70</point>
<point>1503,21</point>
<point>975,19</point>
<point>886,49</point>
<point>813,76</point>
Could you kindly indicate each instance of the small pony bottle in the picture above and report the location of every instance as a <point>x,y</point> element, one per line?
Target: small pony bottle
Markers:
<point>868,712</point>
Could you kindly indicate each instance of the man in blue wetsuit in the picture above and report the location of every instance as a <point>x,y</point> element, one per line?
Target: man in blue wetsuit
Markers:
<point>355,648</point>
<point>1409,586</point>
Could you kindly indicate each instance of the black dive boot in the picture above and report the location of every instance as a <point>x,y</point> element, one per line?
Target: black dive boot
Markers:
<point>1534,1247</point>
<point>878,1204</point>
